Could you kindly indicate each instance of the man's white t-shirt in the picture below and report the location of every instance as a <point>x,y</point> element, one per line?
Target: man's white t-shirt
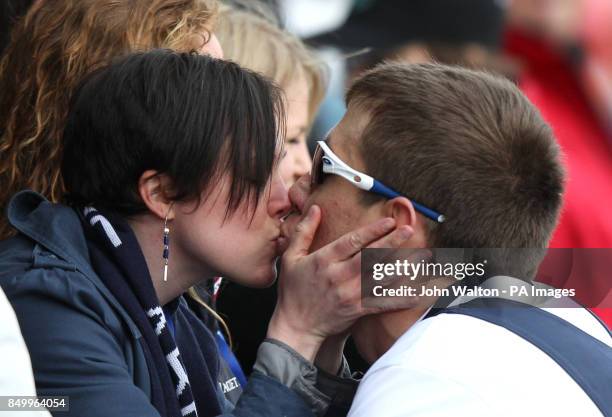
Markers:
<point>457,365</point>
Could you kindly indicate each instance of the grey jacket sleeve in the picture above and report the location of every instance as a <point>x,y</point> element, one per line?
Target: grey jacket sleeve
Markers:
<point>326,394</point>
<point>340,388</point>
<point>73,351</point>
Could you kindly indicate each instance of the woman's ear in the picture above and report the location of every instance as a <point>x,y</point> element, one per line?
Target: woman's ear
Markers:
<point>154,188</point>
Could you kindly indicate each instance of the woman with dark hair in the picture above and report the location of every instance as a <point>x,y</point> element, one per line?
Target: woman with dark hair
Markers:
<point>170,169</point>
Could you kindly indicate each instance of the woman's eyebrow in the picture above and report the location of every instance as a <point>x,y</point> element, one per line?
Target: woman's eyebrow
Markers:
<point>299,131</point>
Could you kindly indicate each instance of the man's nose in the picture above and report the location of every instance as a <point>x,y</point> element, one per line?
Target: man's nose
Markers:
<point>299,192</point>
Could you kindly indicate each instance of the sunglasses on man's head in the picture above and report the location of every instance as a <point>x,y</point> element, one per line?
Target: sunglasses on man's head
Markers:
<point>326,162</point>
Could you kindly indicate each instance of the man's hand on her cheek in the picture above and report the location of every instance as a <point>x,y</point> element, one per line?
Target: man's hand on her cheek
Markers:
<point>320,293</point>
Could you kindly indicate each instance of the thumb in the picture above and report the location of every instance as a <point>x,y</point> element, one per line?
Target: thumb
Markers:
<point>304,233</point>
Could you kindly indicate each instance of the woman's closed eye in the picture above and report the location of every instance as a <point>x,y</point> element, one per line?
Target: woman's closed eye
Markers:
<point>293,141</point>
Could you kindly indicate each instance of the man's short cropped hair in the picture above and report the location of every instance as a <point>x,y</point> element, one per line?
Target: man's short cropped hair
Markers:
<point>467,144</point>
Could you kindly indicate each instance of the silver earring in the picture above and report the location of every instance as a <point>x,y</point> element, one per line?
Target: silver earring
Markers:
<point>166,252</point>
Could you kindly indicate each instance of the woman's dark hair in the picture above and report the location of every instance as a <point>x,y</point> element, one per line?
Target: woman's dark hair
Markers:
<point>188,116</point>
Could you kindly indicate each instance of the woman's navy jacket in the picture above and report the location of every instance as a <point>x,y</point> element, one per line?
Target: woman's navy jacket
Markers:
<point>81,341</point>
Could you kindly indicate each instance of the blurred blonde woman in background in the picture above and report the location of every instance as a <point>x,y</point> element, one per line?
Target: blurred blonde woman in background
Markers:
<point>255,41</point>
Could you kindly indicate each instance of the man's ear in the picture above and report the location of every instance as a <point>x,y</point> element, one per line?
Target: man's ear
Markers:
<point>154,188</point>
<point>402,210</point>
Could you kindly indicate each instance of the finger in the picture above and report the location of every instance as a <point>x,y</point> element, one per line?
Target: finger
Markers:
<point>352,242</point>
<point>393,240</point>
<point>304,233</point>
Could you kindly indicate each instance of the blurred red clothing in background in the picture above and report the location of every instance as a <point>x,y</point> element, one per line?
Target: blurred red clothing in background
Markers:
<point>553,84</point>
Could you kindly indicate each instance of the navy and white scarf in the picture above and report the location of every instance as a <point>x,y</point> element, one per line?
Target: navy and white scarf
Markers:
<point>117,258</point>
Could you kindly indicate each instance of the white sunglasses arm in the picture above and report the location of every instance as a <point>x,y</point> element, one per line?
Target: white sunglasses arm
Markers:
<point>337,167</point>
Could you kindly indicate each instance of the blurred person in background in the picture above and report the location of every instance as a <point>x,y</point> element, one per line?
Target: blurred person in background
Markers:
<point>257,42</point>
<point>52,49</point>
<point>251,37</point>
<point>450,31</point>
<point>566,71</point>
<point>446,31</point>
<point>563,47</point>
